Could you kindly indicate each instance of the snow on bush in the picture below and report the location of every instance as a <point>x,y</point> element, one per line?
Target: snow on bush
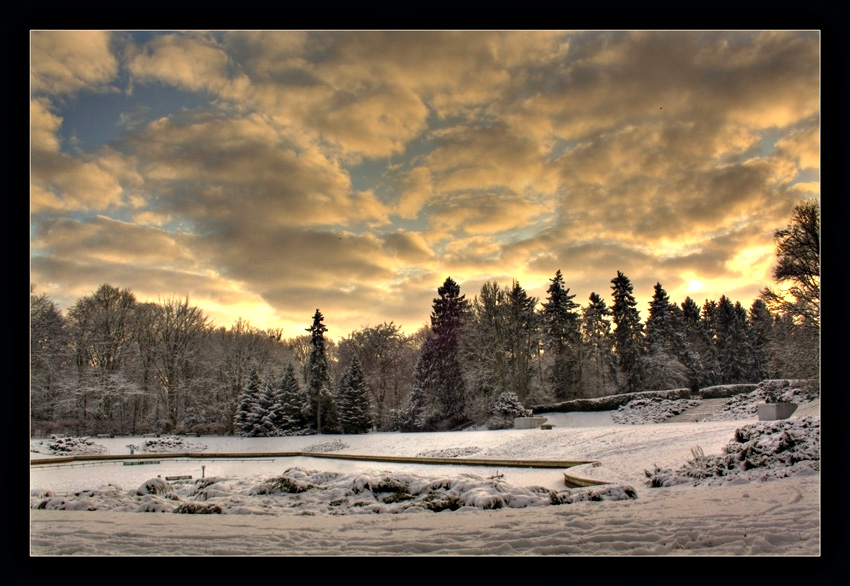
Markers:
<point>67,446</point>
<point>310,492</point>
<point>760,451</point>
<point>650,410</point>
<point>167,444</point>
<point>332,446</point>
<point>157,486</point>
<point>798,391</point>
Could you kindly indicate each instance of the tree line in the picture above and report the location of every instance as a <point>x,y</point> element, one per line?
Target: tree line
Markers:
<point>116,365</point>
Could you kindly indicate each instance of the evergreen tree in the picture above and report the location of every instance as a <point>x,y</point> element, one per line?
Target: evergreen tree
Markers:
<point>761,326</point>
<point>520,339</point>
<point>505,409</point>
<point>731,342</point>
<point>354,402</point>
<point>420,414</point>
<point>562,335</point>
<point>292,403</point>
<point>440,378</point>
<point>322,411</point>
<point>246,414</point>
<point>598,377</point>
<point>483,351</point>
<point>665,343</point>
<point>629,344</point>
<point>699,348</point>
<point>268,410</point>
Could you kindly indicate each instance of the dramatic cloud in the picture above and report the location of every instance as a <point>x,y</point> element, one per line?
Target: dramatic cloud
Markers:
<point>269,173</point>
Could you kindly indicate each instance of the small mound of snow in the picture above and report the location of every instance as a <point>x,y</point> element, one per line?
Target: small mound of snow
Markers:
<point>650,410</point>
<point>332,446</point>
<point>167,444</point>
<point>67,446</point>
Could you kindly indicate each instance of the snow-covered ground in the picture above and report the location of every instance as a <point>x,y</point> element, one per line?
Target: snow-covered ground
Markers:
<point>725,487</point>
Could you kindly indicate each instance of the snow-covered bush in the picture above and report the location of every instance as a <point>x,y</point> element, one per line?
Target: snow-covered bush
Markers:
<point>157,486</point>
<point>192,508</point>
<point>650,410</point>
<point>505,409</point>
<point>760,451</point>
<point>67,446</point>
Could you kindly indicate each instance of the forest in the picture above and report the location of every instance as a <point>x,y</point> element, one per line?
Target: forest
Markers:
<point>114,365</point>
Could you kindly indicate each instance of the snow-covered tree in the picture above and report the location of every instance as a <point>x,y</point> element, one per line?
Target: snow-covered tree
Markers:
<point>323,412</point>
<point>521,340</point>
<point>483,350</point>
<point>731,341</point>
<point>561,325</point>
<point>354,404</point>
<point>664,366</point>
<point>506,407</point>
<point>268,410</point>
<point>247,413</point>
<point>629,344</point>
<point>292,403</point>
<point>443,382</point>
<point>599,372</point>
<point>760,329</point>
<point>387,357</point>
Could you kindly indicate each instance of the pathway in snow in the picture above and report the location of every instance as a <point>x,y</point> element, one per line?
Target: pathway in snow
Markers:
<point>706,408</point>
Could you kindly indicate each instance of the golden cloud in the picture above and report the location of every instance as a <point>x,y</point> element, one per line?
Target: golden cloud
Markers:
<point>67,61</point>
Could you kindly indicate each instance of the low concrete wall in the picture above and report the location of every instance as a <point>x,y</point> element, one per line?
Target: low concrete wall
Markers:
<point>774,411</point>
<point>528,422</point>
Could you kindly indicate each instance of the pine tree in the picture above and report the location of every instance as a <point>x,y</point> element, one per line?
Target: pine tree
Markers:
<point>521,339</point>
<point>268,411</point>
<point>665,343</point>
<point>562,338</point>
<point>246,413</point>
<point>419,414</point>
<point>322,410</point>
<point>698,347</point>
<point>483,352</point>
<point>440,378</point>
<point>599,375</point>
<point>731,341</point>
<point>629,344</point>
<point>354,402</point>
<point>505,409</point>
<point>761,326</point>
<point>292,403</point>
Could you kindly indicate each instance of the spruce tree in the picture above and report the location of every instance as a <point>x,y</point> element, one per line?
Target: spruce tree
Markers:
<point>761,326</point>
<point>665,343</point>
<point>293,403</point>
<point>246,414</point>
<point>698,346</point>
<point>322,411</point>
<point>599,375</point>
<point>731,341</point>
<point>562,336</point>
<point>629,344</point>
<point>268,410</point>
<point>354,401</point>
<point>440,377</point>
<point>520,339</point>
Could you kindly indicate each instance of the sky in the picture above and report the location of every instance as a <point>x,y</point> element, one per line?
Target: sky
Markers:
<point>267,174</point>
<point>772,510</point>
